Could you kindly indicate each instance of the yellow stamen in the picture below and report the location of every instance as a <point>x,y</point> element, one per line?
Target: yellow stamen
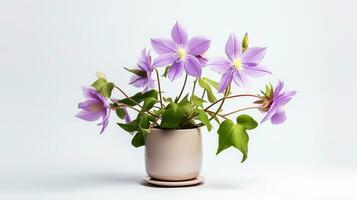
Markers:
<point>237,63</point>
<point>181,52</point>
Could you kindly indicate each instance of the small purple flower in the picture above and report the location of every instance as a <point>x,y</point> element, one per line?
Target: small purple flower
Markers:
<point>145,66</point>
<point>180,53</point>
<point>276,113</point>
<point>239,64</point>
<point>94,107</point>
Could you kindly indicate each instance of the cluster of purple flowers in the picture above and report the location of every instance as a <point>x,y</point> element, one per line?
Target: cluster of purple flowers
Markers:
<point>183,54</point>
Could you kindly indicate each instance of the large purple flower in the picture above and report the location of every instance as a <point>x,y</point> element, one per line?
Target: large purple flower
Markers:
<point>276,113</point>
<point>180,53</point>
<point>144,78</point>
<point>94,107</point>
<point>239,64</point>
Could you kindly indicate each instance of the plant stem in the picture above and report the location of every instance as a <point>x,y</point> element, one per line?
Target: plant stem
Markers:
<point>183,87</point>
<point>247,108</point>
<point>158,83</point>
<point>194,86</point>
<point>132,100</point>
<point>203,94</point>
<point>223,100</point>
<point>231,97</point>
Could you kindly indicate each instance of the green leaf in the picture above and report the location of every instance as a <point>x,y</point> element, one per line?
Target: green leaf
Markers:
<point>245,42</point>
<point>138,140</point>
<point>137,72</point>
<point>107,89</point>
<point>185,105</point>
<point>172,116</point>
<point>215,118</point>
<point>103,87</point>
<point>166,71</point>
<point>149,103</point>
<point>235,135</point>
<point>211,82</point>
<point>207,86</point>
<point>120,113</point>
<point>139,97</point>
<point>197,101</point>
<point>247,121</point>
<point>99,84</point>
<point>168,100</point>
<point>202,116</point>
<point>130,127</point>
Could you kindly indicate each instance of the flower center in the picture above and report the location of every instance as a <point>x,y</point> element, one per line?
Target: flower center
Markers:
<point>181,52</point>
<point>237,63</point>
<point>96,107</point>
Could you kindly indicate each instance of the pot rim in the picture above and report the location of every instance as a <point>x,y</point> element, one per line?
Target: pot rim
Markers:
<point>179,130</point>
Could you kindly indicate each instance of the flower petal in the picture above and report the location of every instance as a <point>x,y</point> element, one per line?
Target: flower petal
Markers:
<point>162,46</point>
<point>198,45</point>
<point>175,71</point>
<point>126,116</point>
<point>219,65</point>
<point>256,71</point>
<point>253,55</point>
<point>89,116</point>
<point>179,34</point>
<point>278,118</point>
<point>270,113</point>
<point>233,47</point>
<point>138,81</point>
<point>239,78</point>
<point>89,93</point>
<point>192,66</point>
<point>278,88</point>
<point>86,105</point>
<point>285,98</point>
<point>104,123</point>
<point>225,81</point>
<point>165,59</point>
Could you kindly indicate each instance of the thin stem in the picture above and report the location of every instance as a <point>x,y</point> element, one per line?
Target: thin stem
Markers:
<point>203,94</point>
<point>194,86</point>
<point>132,100</point>
<point>231,97</point>
<point>247,108</point>
<point>158,83</point>
<point>220,106</point>
<point>183,87</point>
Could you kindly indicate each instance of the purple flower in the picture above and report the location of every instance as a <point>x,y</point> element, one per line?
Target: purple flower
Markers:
<point>94,107</point>
<point>180,53</point>
<point>239,64</point>
<point>276,113</point>
<point>144,79</point>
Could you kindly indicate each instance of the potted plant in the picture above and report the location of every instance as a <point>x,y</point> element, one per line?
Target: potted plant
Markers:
<point>169,128</point>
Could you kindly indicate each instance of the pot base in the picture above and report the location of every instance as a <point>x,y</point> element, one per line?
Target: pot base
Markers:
<point>191,182</point>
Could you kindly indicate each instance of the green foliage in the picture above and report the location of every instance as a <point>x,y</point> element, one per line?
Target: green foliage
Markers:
<point>103,87</point>
<point>137,72</point>
<point>231,134</point>
<point>197,101</point>
<point>149,103</point>
<point>206,84</point>
<point>139,97</point>
<point>172,116</point>
<point>245,42</point>
<point>120,113</point>
<point>202,116</point>
<point>130,127</point>
<point>167,68</point>
<point>247,121</point>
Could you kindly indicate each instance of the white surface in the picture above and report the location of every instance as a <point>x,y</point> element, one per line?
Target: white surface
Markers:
<point>242,183</point>
<point>49,49</point>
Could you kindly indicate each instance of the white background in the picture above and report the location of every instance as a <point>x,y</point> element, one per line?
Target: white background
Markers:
<point>49,49</point>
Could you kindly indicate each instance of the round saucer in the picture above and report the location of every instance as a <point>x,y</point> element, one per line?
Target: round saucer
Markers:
<point>191,182</point>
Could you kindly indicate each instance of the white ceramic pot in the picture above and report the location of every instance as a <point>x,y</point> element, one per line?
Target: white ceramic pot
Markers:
<point>173,155</point>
